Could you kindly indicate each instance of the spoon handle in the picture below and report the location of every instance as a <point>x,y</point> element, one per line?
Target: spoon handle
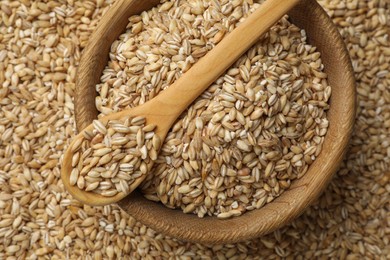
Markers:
<point>191,84</point>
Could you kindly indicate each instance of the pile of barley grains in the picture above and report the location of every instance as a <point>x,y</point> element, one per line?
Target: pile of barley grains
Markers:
<point>111,157</point>
<point>40,44</point>
<point>250,134</point>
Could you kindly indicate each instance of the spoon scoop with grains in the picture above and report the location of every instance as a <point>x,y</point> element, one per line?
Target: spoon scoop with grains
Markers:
<point>112,156</point>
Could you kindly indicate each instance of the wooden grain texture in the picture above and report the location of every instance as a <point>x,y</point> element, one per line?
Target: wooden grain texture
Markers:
<point>321,33</point>
<point>164,109</point>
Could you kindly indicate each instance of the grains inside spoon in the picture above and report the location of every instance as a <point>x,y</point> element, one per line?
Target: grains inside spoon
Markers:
<point>113,155</point>
<point>110,158</point>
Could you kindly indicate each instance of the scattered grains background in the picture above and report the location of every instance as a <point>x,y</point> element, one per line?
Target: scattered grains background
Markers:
<point>40,44</point>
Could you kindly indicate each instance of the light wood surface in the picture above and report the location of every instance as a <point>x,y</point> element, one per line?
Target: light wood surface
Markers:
<point>164,109</point>
<point>321,33</point>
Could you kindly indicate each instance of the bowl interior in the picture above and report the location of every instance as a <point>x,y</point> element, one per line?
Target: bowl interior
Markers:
<point>323,34</point>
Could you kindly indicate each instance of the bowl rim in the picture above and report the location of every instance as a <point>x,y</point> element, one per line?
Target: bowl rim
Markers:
<point>291,203</point>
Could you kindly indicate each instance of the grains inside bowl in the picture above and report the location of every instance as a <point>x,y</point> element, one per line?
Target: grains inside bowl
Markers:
<point>250,134</point>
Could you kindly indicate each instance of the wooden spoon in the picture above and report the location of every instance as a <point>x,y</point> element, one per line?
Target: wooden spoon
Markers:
<point>165,108</point>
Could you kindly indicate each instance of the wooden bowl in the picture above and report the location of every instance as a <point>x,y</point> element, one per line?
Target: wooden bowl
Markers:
<point>323,34</point>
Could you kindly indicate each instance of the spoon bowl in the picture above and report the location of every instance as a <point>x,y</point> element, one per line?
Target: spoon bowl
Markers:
<point>96,199</point>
